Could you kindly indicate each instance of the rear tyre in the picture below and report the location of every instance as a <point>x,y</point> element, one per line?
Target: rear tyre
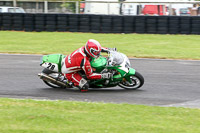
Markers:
<point>51,84</point>
<point>49,72</point>
<point>137,81</point>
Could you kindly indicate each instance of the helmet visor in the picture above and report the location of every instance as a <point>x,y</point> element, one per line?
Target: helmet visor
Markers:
<point>95,52</point>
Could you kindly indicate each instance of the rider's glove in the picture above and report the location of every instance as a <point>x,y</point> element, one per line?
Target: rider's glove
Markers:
<point>106,75</point>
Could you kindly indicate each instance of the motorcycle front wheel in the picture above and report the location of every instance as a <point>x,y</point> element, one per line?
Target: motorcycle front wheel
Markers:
<point>137,81</point>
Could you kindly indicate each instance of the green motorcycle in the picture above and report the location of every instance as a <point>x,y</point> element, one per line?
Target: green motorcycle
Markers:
<point>116,63</point>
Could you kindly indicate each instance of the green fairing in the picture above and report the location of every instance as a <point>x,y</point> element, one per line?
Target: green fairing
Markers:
<point>123,74</point>
<point>98,64</point>
<point>53,58</point>
<point>131,72</point>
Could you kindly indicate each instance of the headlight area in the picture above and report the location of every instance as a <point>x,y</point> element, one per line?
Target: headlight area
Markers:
<point>128,65</point>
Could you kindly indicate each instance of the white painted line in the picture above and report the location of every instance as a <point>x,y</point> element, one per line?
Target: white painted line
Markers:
<point>188,104</point>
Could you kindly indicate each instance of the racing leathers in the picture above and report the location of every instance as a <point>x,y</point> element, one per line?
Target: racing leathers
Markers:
<point>77,61</point>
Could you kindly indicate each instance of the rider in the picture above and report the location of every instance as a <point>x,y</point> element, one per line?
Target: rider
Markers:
<point>80,60</point>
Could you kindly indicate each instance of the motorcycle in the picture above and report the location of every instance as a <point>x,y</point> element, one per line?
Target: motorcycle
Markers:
<point>116,63</point>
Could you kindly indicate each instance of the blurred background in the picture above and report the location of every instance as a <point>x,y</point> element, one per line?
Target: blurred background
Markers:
<point>108,7</point>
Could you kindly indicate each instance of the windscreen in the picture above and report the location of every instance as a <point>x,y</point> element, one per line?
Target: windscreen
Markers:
<point>116,58</point>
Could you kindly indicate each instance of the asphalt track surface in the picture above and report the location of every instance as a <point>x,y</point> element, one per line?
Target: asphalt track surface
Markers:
<point>167,83</point>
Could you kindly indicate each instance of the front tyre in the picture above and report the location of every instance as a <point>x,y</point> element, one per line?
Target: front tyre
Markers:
<point>137,81</point>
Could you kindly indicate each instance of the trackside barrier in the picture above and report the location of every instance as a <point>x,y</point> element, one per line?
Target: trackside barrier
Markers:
<point>100,23</point>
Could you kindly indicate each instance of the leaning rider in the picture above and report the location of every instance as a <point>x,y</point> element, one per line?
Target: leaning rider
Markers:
<point>80,60</point>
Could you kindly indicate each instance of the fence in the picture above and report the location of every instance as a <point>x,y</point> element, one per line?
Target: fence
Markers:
<point>100,23</point>
<point>43,6</point>
<point>110,7</point>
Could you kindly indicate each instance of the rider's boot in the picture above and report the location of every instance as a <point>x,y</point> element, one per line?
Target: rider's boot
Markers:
<point>84,88</point>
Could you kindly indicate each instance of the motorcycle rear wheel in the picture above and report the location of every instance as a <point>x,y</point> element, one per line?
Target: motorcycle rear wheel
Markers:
<point>51,84</point>
<point>137,81</point>
<point>48,72</point>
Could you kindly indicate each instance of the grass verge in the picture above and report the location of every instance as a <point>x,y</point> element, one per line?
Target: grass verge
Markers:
<point>31,116</point>
<point>134,45</point>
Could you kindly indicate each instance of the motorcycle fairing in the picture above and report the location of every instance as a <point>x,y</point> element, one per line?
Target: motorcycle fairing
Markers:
<point>98,64</point>
<point>52,62</point>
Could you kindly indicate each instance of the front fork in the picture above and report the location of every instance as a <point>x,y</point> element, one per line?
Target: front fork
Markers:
<point>127,76</point>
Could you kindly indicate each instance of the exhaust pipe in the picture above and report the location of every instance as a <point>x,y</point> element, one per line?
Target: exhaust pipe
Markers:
<point>52,80</point>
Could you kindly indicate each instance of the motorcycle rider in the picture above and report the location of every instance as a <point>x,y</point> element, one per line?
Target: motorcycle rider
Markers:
<point>80,60</point>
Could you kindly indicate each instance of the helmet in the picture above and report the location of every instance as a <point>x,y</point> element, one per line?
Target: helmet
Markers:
<point>93,48</point>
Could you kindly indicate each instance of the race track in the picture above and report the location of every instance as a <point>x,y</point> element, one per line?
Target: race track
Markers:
<point>167,83</point>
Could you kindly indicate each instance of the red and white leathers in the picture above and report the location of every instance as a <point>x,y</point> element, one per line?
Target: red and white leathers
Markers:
<point>76,62</point>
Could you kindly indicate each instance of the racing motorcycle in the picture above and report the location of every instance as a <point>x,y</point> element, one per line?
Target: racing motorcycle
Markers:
<point>116,63</point>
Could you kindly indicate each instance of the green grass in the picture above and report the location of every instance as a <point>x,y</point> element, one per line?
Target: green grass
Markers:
<point>30,116</point>
<point>134,45</point>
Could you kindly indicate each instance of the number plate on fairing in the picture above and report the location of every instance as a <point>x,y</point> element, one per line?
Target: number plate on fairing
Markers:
<point>50,66</point>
